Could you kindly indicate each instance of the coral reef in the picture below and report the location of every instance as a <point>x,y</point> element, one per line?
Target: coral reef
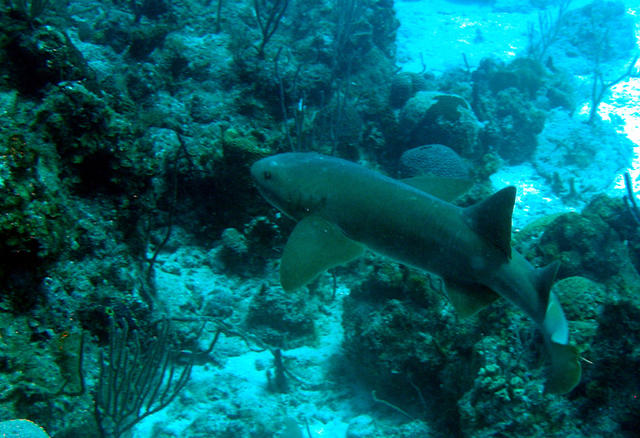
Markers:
<point>433,117</point>
<point>404,86</point>
<point>616,359</point>
<point>593,243</point>
<point>279,319</point>
<point>394,325</point>
<point>41,56</point>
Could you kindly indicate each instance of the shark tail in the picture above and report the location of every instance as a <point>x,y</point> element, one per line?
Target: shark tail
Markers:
<point>565,368</point>
<point>565,359</point>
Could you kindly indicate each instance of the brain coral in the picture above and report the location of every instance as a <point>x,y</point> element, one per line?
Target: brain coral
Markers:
<point>435,159</point>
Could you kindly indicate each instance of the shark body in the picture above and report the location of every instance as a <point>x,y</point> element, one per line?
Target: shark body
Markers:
<point>343,208</point>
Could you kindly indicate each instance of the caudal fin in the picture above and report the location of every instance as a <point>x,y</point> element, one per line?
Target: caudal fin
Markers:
<point>565,361</point>
<point>565,368</point>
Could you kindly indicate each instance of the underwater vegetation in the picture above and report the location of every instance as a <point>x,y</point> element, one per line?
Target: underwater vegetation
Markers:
<point>139,263</point>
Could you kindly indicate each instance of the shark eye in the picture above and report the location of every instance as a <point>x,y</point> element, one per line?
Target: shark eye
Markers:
<point>266,175</point>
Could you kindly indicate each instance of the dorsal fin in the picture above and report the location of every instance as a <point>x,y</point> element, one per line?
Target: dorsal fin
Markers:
<point>491,218</point>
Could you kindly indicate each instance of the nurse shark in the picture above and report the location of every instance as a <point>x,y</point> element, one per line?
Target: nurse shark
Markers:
<point>343,208</point>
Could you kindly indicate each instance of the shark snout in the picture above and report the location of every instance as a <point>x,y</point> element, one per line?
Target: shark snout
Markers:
<point>257,168</point>
<point>263,173</point>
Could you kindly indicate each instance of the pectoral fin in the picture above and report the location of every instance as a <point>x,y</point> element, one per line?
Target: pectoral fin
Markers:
<point>468,299</point>
<point>314,246</point>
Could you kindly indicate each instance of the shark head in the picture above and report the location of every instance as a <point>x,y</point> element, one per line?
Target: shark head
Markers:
<point>267,173</point>
<point>289,182</point>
